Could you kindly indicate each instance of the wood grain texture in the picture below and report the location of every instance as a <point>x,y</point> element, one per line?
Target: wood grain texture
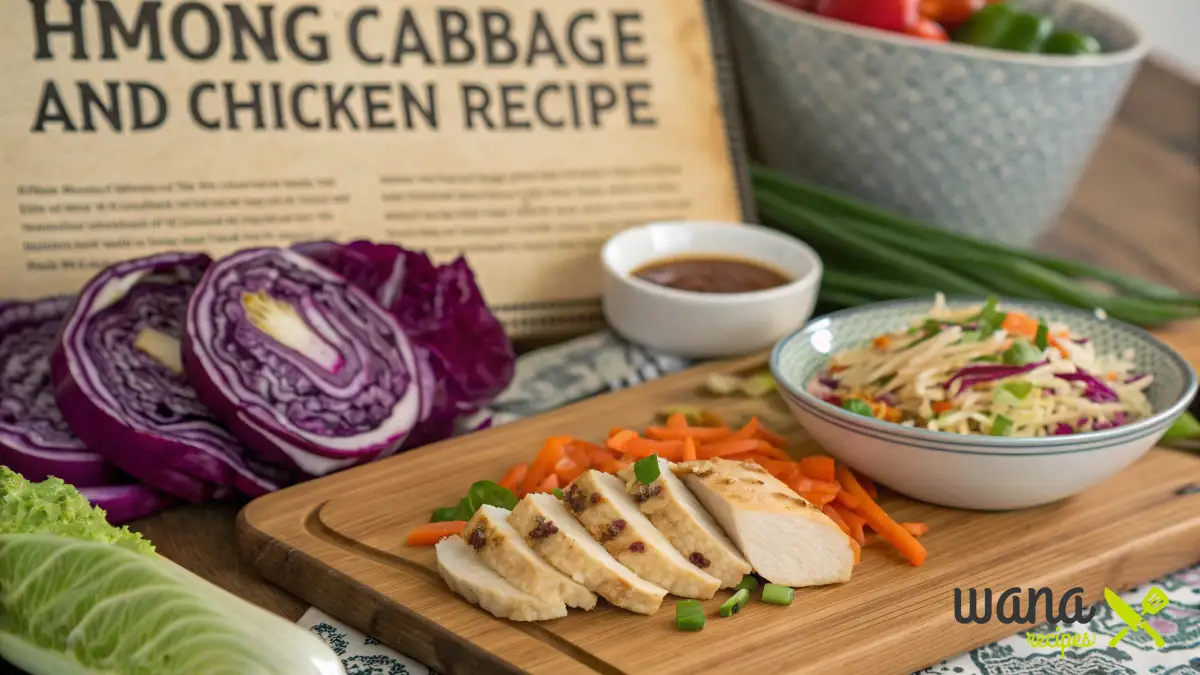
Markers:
<point>338,542</point>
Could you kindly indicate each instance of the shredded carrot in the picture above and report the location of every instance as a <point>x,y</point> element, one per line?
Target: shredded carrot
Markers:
<point>818,467</point>
<point>726,448</point>
<point>689,449</point>
<point>513,477</point>
<point>915,529</point>
<point>940,407</point>
<point>1111,376</point>
<point>618,440</point>
<point>882,342</point>
<point>677,421</point>
<point>837,368</point>
<point>543,465</point>
<point>548,485</point>
<point>848,500</point>
<point>431,533</point>
<point>1019,323</point>
<point>857,551</point>
<point>880,521</point>
<point>702,434</point>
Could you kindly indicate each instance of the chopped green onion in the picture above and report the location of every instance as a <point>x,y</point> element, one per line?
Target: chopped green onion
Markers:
<point>557,493</point>
<point>1042,341</point>
<point>1022,353</point>
<point>689,615</point>
<point>986,359</point>
<point>858,407</point>
<point>758,385</point>
<point>735,603</point>
<point>971,336</point>
<point>988,318</point>
<point>646,469</point>
<point>1002,426</point>
<point>778,595</point>
<point>749,582</point>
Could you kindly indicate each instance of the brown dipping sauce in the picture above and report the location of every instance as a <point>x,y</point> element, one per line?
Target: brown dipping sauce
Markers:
<point>712,274</point>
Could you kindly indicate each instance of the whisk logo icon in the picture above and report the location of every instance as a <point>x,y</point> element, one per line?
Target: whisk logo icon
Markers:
<point>1154,601</point>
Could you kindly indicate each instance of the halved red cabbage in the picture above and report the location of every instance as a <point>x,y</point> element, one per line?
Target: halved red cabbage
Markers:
<point>119,382</point>
<point>35,441</point>
<point>440,307</point>
<point>304,367</point>
<point>123,503</point>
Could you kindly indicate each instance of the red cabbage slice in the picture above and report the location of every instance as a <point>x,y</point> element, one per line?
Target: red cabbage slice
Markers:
<point>35,440</point>
<point>118,381</point>
<point>304,367</point>
<point>123,503</point>
<point>1094,390</point>
<point>440,307</point>
<point>973,375</point>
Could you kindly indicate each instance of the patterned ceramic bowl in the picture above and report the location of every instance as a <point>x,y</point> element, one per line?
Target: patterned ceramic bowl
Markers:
<point>977,472</point>
<point>979,141</point>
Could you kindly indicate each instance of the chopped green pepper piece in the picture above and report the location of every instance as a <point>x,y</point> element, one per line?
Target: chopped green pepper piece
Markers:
<point>689,615</point>
<point>749,582</point>
<point>858,407</point>
<point>1018,388</point>
<point>735,603</point>
<point>778,595</point>
<point>646,469</point>
<point>1002,426</point>
<point>1042,340</point>
<point>1071,43</point>
<point>1026,33</point>
<point>1022,353</point>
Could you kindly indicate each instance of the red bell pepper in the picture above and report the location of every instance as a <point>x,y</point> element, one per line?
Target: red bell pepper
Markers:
<point>892,15</point>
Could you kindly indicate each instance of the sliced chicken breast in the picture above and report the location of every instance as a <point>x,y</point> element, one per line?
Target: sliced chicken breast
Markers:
<point>468,576</point>
<point>555,535</point>
<point>599,501</point>
<point>677,514</point>
<point>787,540</point>
<point>504,550</point>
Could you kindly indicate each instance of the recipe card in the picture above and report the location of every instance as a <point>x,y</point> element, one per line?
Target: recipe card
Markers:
<point>522,134</point>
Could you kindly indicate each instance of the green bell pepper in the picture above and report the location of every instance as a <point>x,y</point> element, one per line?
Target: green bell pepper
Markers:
<point>1070,43</point>
<point>1002,27</point>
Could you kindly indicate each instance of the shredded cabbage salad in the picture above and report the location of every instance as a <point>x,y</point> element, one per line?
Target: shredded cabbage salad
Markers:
<point>983,371</point>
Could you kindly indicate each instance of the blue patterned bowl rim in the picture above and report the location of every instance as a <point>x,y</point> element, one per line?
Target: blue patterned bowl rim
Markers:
<point>1104,438</point>
<point>1133,53</point>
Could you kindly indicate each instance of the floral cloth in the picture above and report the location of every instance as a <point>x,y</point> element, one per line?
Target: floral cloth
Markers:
<point>552,377</point>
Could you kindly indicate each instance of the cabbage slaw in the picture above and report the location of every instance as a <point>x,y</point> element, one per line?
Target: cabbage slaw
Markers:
<point>982,371</point>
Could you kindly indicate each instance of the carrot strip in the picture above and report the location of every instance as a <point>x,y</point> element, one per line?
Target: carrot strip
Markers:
<point>868,485</point>
<point>818,467</point>
<point>818,498</point>
<point>689,449</point>
<point>513,477</point>
<point>709,418</point>
<point>610,466</point>
<point>702,434</point>
<point>881,343</point>
<point>677,420</point>
<point>543,465</point>
<point>1019,323</point>
<point>769,450</point>
<point>775,467</point>
<point>915,529</point>
<point>567,470</point>
<point>726,448</point>
<point>857,551</point>
<point>431,533</point>
<point>549,484</point>
<point>770,436</point>
<point>748,430</point>
<point>644,447</point>
<point>618,440</point>
<point>615,430</point>
<point>880,521</point>
<point>595,453</point>
<point>848,500</point>
<point>856,524</point>
<point>806,484</point>
<point>837,519</point>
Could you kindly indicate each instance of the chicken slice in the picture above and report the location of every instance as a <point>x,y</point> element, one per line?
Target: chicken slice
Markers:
<point>675,511</point>
<point>504,550</point>
<point>787,540</point>
<point>466,575</point>
<point>599,501</point>
<point>550,530</point>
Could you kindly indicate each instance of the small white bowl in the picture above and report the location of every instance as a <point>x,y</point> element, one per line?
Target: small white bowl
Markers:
<point>989,473</point>
<point>707,325</point>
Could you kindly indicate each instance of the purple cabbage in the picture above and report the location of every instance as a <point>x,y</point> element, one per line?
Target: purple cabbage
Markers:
<point>828,382</point>
<point>1119,419</point>
<point>467,359</point>
<point>1063,429</point>
<point>118,382</point>
<point>1134,377</point>
<point>125,503</point>
<point>1094,390</point>
<point>304,367</point>
<point>35,440</point>
<point>973,375</point>
<point>887,398</point>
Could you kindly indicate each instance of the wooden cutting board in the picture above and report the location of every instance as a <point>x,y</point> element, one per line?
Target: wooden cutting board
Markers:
<point>338,543</point>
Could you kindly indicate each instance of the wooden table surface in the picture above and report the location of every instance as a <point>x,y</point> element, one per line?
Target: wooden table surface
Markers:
<point>1136,209</point>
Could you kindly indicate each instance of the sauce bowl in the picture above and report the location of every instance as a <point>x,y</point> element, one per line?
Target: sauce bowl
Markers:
<point>707,325</point>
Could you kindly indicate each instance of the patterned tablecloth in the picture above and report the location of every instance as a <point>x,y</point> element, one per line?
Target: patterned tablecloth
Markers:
<point>554,376</point>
